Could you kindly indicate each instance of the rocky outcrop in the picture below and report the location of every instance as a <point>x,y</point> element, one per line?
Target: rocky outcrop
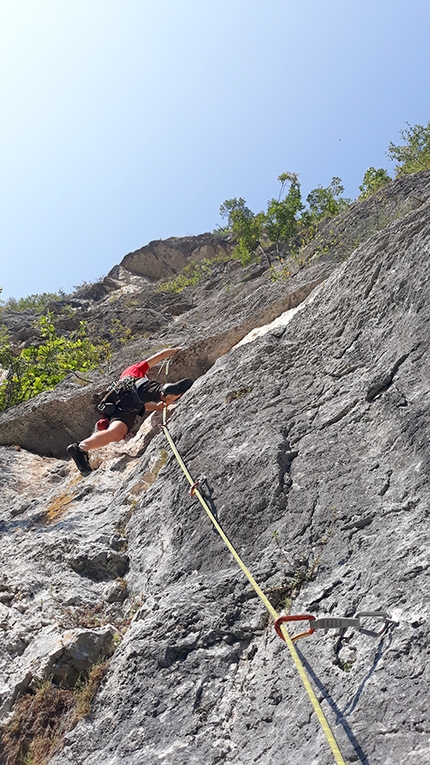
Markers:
<point>165,258</point>
<point>313,437</point>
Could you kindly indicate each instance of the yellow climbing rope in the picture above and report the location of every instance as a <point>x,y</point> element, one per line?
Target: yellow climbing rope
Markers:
<point>299,666</point>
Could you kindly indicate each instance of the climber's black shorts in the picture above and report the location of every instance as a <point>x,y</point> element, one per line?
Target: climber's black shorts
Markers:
<point>148,390</point>
<point>127,417</point>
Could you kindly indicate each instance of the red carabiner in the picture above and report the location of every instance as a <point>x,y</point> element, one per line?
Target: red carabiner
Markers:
<point>193,489</point>
<point>297,618</point>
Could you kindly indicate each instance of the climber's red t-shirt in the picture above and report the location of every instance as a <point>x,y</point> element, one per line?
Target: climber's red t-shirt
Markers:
<point>136,370</point>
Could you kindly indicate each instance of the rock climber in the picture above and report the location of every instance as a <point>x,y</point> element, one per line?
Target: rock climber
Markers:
<point>145,396</point>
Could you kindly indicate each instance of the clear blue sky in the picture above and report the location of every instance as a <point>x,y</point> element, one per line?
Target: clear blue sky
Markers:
<point>125,121</point>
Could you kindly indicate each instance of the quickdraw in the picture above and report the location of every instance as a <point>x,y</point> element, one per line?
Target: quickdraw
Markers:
<point>333,623</point>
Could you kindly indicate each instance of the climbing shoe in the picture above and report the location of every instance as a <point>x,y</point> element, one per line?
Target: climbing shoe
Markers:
<point>178,388</point>
<point>80,458</point>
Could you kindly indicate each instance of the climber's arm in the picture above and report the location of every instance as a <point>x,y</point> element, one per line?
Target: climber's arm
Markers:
<point>161,355</point>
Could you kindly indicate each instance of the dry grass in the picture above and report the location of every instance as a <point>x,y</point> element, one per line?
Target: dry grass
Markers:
<point>43,717</point>
<point>59,505</point>
<point>57,508</point>
<point>84,695</point>
<point>37,728</point>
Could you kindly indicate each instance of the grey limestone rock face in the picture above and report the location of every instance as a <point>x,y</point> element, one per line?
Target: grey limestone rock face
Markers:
<point>313,437</point>
<point>99,564</point>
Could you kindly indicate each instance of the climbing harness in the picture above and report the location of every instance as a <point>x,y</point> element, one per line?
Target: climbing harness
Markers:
<point>114,394</point>
<point>333,623</point>
<point>272,611</point>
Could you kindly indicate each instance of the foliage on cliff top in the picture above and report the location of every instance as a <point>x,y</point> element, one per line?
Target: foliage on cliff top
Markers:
<point>289,223</point>
<point>414,154</point>
<point>190,275</point>
<point>373,180</point>
<point>286,223</point>
<point>38,302</point>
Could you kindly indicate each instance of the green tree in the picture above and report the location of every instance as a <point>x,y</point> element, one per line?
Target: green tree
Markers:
<point>282,213</point>
<point>244,225</point>
<point>325,202</point>
<point>41,367</point>
<point>373,180</point>
<point>414,155</point>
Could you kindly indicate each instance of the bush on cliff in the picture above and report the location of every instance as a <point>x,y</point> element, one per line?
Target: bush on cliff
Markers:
<point>414,154</point>
<point>244,225</point>
<point>373,180</point>
<point>41,367</point>
<point>37,302</point>
<point>281,218</point>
